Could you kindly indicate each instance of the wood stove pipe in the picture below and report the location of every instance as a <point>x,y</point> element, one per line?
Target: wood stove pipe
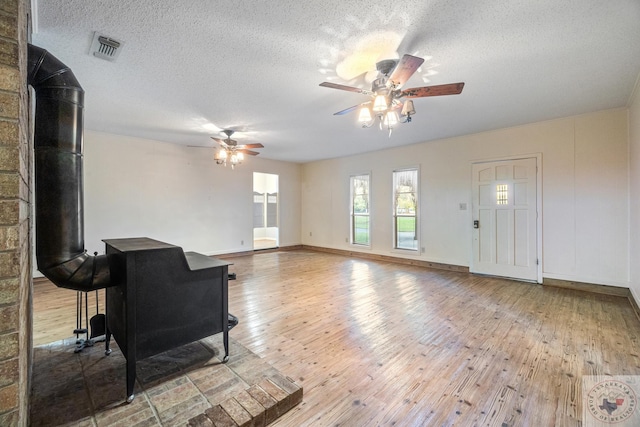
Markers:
<point>59,208</point>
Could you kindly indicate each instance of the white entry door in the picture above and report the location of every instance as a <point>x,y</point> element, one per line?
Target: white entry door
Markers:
<point>505,234</point>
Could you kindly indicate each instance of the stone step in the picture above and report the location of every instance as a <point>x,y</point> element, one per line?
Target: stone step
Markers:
<point>259,405</point>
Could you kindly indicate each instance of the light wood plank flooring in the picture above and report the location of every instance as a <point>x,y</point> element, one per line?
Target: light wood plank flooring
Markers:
<point>376,343</point>
<point>54,311</point>
<point>260,244</point>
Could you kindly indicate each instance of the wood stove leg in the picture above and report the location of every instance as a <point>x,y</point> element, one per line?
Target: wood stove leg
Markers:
<point>107,342</point>
<point>131,378</point>
<point>107,331</point>
<point>225,341</point>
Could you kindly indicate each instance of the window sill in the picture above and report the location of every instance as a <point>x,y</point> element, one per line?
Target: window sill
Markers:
<point>407,252</point>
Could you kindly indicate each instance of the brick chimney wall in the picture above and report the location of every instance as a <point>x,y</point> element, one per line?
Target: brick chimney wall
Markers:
<point>16,286</point>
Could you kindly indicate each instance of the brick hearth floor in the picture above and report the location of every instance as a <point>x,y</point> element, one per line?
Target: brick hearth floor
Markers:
<point>185,386</point>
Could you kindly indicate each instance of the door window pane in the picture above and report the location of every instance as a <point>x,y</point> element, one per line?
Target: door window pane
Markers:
<point>502,194</point>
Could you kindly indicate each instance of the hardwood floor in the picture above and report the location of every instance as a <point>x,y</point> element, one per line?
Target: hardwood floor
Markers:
<point>376,343</point>
<point>54,311</point>
<point>259,244</point>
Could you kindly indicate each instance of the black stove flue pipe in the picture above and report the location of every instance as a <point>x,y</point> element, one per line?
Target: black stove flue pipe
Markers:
<point>59,208</point>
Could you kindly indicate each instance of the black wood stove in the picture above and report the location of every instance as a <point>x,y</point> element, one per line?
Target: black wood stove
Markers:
<point>158,296</point>
<point>163,298</point>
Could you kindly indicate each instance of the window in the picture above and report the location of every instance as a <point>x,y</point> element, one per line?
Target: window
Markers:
<point>405,209</point>
<point>502,195</point>
<point>360,209</point>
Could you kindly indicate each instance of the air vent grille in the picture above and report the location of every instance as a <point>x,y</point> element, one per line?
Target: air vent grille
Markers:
<point>105,47</point>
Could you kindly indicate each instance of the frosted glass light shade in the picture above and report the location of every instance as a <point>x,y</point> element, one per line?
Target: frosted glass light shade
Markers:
<point>391,119</point>
<point>380,104</point>
<point>221,154</point>
<point>365,115</point>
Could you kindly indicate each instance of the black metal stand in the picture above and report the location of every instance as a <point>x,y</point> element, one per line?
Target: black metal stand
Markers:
<point>87,341</point>
<point>82,343</point>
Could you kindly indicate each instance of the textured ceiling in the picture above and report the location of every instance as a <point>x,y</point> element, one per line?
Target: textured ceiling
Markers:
<point>189,68</point>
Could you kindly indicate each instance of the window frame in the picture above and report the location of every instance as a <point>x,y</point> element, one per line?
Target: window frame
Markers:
<point>353,214</point>
<point>394,212</point>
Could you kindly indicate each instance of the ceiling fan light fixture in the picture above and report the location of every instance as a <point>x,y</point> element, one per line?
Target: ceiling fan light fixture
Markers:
<point>408,108</point>
<point>390,119</point>
<point>387,90</point>
<point>220,156</point>
<point>232,152</point>
<point>365,115</point>
<point>380,104</point>
<point>365,118</point>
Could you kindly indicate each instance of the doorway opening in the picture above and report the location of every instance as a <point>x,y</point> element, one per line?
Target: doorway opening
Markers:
<point>265,211</point>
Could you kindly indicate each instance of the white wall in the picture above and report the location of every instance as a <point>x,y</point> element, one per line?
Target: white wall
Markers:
<point>634,192</point>
<point>584,194</point>
<point>136,187</point>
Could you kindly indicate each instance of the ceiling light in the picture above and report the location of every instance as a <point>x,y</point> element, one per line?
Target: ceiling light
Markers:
<point>408,110</point>
<point>365,115</point>
<point>390,119</point>
<point>231,152</point>
<point>230,155</point>
<point>380,104</point>
<point>220,156</point>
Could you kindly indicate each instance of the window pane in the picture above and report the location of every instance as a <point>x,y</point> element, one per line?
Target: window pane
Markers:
<point>405,207</point>
<point>360,210</point>
<point>406,233</point>
<point>405,204</point>
<point>360,204</point>
<point>360,194</point>
<point>361,230</point>
<point>502,194</point>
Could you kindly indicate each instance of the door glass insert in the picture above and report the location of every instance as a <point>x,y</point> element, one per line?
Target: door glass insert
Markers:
<point>502,194</point>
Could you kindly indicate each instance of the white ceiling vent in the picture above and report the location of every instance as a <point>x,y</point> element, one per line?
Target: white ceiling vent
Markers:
<point>105,47</point>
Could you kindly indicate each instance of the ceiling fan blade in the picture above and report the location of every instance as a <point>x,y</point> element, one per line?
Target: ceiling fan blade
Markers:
<point>346,110</point>
<point>249,152</point>
<point>404,70</point>
<point>350,109</point>
<point>255,145</point>
<point>220,141</point>
<point>421,92</point>
<point>347,88</point>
